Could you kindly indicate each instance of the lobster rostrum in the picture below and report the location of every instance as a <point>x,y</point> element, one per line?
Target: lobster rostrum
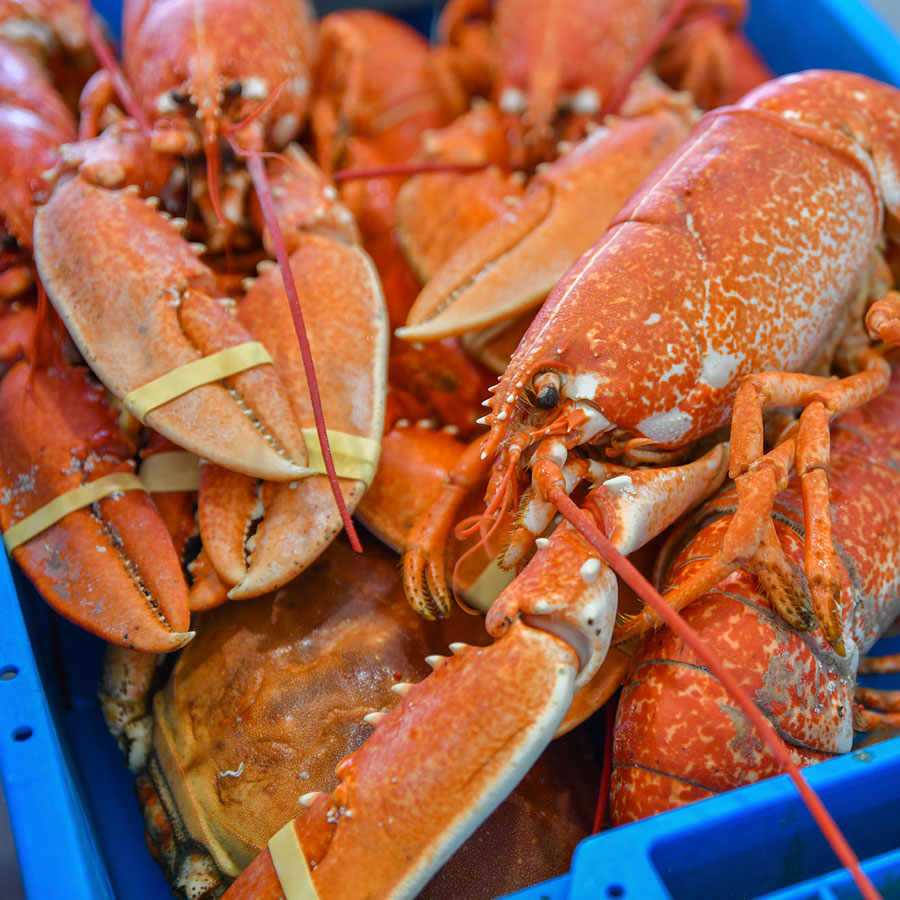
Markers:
<point>708,275</point>
<point>799,682</point>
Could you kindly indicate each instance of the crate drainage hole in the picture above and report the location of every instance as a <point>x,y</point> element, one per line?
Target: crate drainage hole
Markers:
<point>7,673</point>
<point>23,732</point>
<point>615,890</point>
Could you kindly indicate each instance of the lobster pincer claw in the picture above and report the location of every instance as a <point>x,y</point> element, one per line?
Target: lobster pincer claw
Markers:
<point>139,305</point>
<point>400,809</point>
<point>108,564</point>
<point>514,261</point>
<point>294,522</point>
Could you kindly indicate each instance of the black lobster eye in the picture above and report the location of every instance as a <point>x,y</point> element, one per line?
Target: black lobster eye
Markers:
<point>548,397</point>
<point>546,388</point>
<point>234,90</point>
<point>178,97</point>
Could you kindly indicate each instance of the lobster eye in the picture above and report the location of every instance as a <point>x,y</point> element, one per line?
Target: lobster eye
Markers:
<point>178,97</point>
<point>546,386</point>
<point>234,90</point>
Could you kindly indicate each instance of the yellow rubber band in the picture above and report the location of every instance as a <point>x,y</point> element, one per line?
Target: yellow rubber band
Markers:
<point>354,456</point>
<point>290,865</point>
<point>178,470</point>
<point>201,371</point>
<point>84,495</point>
<point>174,470</point>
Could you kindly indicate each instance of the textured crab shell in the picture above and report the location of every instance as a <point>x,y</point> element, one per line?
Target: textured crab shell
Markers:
<point>274,694</point>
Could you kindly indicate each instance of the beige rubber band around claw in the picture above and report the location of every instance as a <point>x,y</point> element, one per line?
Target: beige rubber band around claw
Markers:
<point>178,470</point>
<point>354,456</point>
<point>194,374</point>
<point>290,865</point>
<point>174,470</point>
<point>84,495</point>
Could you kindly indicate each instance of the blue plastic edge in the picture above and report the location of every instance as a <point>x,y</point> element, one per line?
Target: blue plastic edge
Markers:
<point>57,841</point>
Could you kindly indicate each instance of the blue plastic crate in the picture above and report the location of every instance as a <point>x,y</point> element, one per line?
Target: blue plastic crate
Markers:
<point>76,823</point>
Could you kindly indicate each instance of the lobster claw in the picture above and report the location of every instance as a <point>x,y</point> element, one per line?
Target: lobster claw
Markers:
<point>110,566</point>
<point>295,522</point>
<point>514,261</point>
<point>396,815</point>
<point>138,304</point>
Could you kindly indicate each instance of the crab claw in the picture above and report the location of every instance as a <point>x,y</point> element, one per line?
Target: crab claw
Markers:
<point>512,263</point>
<point>138,304</point>
<point>348,333</point>
<point>401,809</point>
<point>111,566</point>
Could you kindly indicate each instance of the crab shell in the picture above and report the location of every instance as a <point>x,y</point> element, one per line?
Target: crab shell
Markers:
<point>274,696</point>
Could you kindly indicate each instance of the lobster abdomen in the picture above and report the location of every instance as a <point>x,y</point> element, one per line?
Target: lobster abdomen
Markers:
<point>679,736</point>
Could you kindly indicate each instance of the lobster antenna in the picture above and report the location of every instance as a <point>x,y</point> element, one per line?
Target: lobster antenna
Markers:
<point>257,171</point>
<point>663,28</point>
<point>108,61</point>
<point>609,724</point>
<point>588,529</point>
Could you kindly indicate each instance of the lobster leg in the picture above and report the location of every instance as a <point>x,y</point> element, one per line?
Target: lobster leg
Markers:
<point>751,528</point>
<point>880,665</point>
<point>823,399</point>
<point>747,530</point>
<point>424,560</point>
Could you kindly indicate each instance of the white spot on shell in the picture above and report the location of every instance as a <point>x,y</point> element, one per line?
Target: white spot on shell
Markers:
<point>286,128</point>
<point>718,368</point>
<point>586,102</point>
<point>582,387</point>
<point>589,570</point>
<point>253,88</point>
<point>666,427</point>
<point>513,101</point>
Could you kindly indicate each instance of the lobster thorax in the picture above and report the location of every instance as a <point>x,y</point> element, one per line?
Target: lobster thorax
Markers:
<point>712,271</point>
<point>567,55</point>
<point>204,65</point>
<point>376,80</point>
<point>33,123</point>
